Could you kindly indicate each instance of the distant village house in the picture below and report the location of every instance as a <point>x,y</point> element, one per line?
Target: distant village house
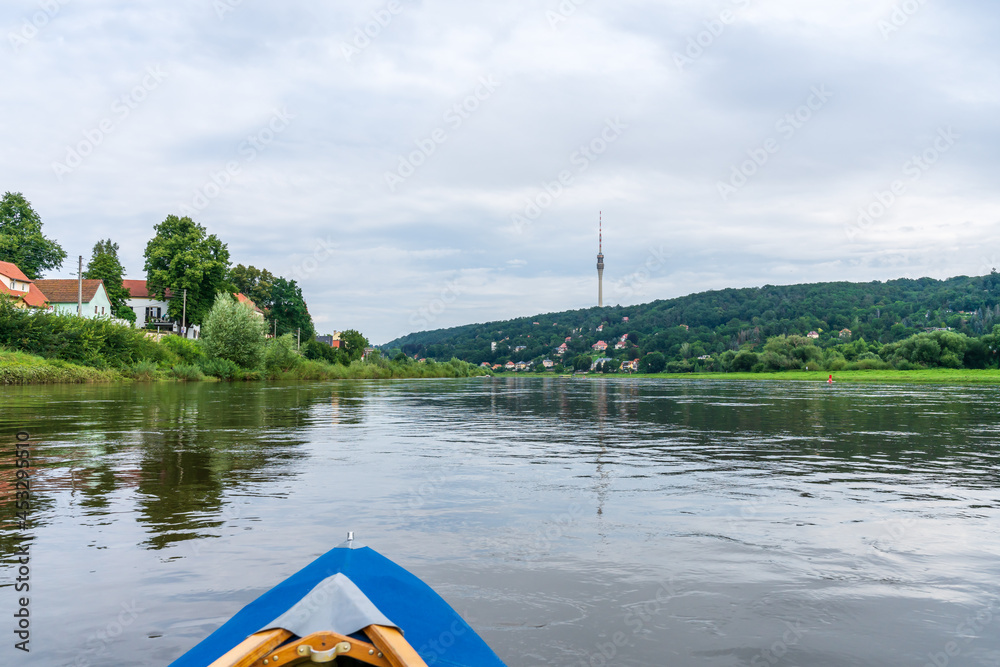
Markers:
<point>333,340</point>
<point>21,290</point>
<point>147,308</point>
<point>62,295</point>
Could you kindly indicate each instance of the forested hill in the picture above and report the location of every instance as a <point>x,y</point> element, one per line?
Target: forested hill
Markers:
<point>716,321</point>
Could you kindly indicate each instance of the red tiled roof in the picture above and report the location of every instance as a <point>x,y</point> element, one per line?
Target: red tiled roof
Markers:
<point>33,297</point>
<point>10,269</point>
<point>14,293</point>
<point>242,298</point>
<point>137,290</point>
<point>64,290</point>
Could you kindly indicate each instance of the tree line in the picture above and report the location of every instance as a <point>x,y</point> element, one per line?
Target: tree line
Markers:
<point>698,330</point>
<point>38,347</point>
<point>180,256</point>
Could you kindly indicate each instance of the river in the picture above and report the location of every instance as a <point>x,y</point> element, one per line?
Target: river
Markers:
<point>571,521</point>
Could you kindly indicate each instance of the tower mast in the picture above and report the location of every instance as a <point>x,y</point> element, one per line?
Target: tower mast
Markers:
<point>600,260</point>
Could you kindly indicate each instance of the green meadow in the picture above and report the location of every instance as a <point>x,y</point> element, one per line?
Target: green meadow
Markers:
<point>922,376</point>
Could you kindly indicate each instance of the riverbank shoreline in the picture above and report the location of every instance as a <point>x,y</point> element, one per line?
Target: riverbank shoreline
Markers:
<point>923,376</point>
<point>21,368</point>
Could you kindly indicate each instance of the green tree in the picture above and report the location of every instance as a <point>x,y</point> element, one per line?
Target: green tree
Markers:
<point>288,309</point>
<point>21,240</point>
<point>354,344</point>
<point>105,265</point>
<point>233,331</point>
<point>254,283</point>
<point>280,355</point>
<point>181,255</point>
<point>744,361</point>
<point>654,362</point>
<point>313,349</point>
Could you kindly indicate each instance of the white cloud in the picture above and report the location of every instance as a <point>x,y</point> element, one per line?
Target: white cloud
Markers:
<point>447,228</point>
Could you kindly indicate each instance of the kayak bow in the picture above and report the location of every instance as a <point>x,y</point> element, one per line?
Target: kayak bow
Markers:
<point>350,603</point>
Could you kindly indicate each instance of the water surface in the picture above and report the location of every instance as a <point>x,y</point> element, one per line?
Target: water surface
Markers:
<point>570,521</point>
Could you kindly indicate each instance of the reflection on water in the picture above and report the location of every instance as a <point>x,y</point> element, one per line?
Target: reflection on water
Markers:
<point>572,521</point>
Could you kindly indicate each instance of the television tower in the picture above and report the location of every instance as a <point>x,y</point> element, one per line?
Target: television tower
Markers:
<point>600,260</point>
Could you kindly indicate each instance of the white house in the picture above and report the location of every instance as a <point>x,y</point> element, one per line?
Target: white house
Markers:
<point>598,362</point>
<point>148,309</point>
<point>62,295</point>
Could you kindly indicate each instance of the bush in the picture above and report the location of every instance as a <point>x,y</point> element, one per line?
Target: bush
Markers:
<point>235,332</point>
<point>318,351</point>
<point>869,364</point>
<point>684,366</point>
<point>186,350</point>
<point>188,372</point>
<point>100,343</point>
<point>144,370</point>
<point>223,369</point>
<point>280,355</point>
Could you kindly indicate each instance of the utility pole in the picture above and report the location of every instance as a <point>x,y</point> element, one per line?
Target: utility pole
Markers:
<point>298,339</point>
<point>275,329</point>
<point>79,287</point>
<point>184,312</point>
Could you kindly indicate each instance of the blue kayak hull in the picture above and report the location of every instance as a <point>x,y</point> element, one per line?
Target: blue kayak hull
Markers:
<point>429,624</point>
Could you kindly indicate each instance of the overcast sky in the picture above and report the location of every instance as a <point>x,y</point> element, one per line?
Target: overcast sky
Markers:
<point>415,165</point>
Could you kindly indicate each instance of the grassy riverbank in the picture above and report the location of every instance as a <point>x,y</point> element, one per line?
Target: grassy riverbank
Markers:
<point>923,376</point>
<point>24,368</point>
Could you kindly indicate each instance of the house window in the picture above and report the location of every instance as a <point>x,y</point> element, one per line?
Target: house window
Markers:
<point>95,310</point>
<point>102,310</point>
